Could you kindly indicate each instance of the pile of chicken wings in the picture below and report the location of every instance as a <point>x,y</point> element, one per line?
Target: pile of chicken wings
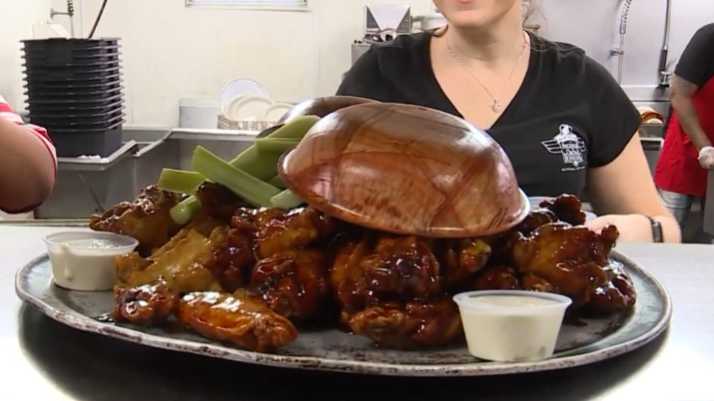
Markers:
<point>250,277</point>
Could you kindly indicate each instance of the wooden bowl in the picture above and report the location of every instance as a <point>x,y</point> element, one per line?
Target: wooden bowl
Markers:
<point>322,106</point>
<point>407,170</point>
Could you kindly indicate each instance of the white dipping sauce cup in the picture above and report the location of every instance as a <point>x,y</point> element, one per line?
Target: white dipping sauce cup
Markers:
<point>84,260</point>
<point>511,325</point>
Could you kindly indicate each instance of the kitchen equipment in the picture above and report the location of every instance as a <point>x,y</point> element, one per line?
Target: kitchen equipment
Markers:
<point>429,22</point>
<point>198,113</point>
<point>708,224</point>
<point>385,21</point>
<point>74,90</point>
<point>87,185</point>
<point>238,88</point>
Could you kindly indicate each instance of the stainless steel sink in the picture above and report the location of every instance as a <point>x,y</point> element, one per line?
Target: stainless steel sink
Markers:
<point>90,185</point>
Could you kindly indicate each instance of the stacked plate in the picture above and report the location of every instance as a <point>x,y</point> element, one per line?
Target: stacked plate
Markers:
<point>74,90</point>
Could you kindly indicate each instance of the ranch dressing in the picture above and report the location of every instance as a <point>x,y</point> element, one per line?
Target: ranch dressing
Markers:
<point>85,260</point>
<point>511,325</point>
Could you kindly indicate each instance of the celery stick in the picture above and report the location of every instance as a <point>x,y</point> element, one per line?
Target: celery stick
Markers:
<point>184,211</point>
<point>286,200</point>
<point>261,166</point>
<point>270,145</point>
<point>253,190</point>
<point>295,129</point>
<point>182,181</point>
<point>277,181</point>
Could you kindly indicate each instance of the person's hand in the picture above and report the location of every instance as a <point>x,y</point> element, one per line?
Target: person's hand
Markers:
<point>706,157</point>
<point>632,227</point>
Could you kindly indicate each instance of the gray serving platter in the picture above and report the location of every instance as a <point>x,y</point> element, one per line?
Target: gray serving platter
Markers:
<point>587,341</point>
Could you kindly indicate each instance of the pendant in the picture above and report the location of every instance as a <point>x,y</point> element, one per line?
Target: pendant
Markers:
<point>496,106</point>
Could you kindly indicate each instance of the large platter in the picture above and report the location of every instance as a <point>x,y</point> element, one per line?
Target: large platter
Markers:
<point>588,341</point>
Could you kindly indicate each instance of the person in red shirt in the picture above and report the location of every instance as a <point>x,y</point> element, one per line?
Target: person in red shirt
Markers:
<point>687,154</point>
<point>28,163</point>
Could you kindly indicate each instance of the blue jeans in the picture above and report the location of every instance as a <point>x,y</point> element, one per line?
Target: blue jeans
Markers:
<point>678,204</point>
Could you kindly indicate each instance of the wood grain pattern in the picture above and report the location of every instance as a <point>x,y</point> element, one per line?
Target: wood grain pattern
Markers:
<point>322,106</point>
<point>408,170</point>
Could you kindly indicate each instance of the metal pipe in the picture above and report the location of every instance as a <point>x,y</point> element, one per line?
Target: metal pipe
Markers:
<point>69,13</point>
<point>664,75</point>
<point>619,50</point>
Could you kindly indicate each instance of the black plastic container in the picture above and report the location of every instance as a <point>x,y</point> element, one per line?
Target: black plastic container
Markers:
<point>68,44</point>
<point>82,108</point>
<point>87,142</point>
<point>74,90</point>
<point>72,85</point>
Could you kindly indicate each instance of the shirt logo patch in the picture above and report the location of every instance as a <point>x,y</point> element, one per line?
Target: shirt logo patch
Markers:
<point>570,146</point>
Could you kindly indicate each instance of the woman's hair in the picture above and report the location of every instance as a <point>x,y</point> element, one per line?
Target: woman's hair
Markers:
<point>530,9</point>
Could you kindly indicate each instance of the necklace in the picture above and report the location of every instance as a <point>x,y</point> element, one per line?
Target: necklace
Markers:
<point>496,104</point>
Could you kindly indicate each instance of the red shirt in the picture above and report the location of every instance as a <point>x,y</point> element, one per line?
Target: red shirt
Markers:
<point>9,115</point>
<point>678,169</point>
<point>6,113</point>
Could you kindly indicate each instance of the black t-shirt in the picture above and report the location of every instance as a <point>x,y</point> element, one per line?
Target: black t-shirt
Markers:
<point>569,114</point>
<point>696,64</point>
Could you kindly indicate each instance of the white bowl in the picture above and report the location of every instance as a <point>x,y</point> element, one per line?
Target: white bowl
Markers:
<point>84,260</point>
<point>240,88</point>
<point>511,325</point>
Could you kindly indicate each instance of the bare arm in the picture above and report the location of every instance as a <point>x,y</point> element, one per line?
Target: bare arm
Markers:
<point>682,92</point>
<point>26,168</point>
<point>623,191</point>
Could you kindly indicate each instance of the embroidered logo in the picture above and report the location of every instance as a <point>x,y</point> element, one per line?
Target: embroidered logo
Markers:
<point>570,146</point>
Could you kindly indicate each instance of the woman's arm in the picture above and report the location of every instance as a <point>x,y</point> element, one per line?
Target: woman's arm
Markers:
<point>624,193</point>
<point>27,170</point>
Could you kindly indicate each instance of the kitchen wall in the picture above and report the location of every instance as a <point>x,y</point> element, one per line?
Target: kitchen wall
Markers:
<point>16,20</point>
<point>171,51</point>
<point>592,25</point>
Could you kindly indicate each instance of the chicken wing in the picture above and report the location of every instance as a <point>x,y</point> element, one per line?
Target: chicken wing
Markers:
<point>277,230</point>
<point>461,259</point>
<point>218,201</point>
<point>567,208</point>
<point>497,277</point>
<point>233,261</point>
<point>616,295</point>
<point>410,325</point>
<point>239,319</point>
<point>182,266</point>
<point>570,258</point>
<point>387,268</point>
<point>147,219</point>
<point>144,305</point>
<point>293,283</point>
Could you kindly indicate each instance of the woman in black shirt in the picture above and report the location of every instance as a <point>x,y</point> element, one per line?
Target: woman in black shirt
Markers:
<point>566,125</point>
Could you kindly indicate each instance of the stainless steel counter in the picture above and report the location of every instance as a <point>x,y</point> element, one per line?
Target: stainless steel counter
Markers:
<point>45,360</point>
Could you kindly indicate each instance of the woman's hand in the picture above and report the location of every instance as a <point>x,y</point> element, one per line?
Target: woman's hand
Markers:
<point>624,193</point>
<point>635,227</point>
<point>632,227</point>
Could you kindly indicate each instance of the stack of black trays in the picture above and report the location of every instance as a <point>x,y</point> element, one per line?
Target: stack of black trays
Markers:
<point>74,90</point>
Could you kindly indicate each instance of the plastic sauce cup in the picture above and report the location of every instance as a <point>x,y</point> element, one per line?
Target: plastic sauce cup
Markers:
<point>511,325</point>
<point>84,260</point>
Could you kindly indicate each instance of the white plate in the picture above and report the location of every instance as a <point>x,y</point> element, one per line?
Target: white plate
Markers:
<point>248,108</point>
<point>239,88</point>
<point>276,111</point>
